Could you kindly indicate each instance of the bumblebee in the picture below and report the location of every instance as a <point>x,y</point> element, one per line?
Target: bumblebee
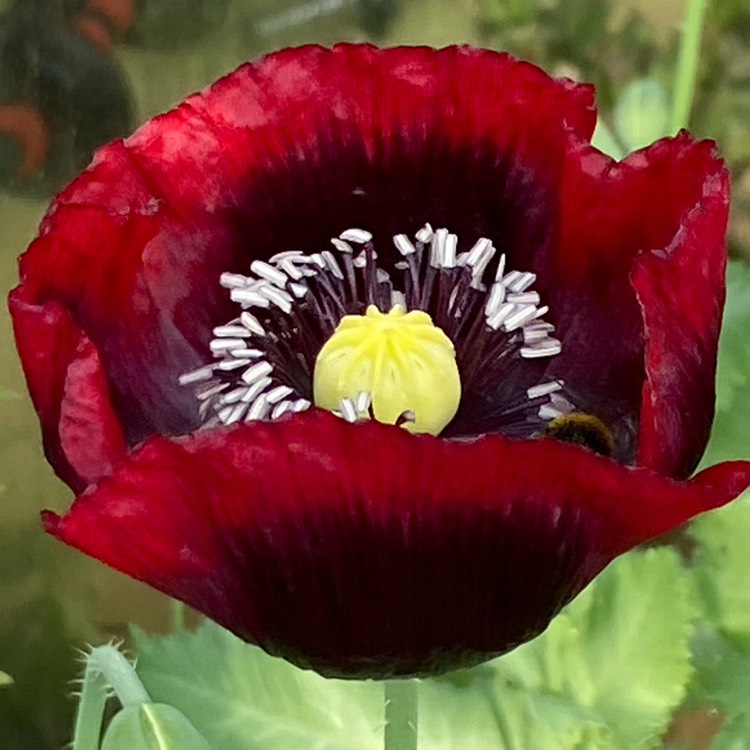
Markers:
<point>582,429</point>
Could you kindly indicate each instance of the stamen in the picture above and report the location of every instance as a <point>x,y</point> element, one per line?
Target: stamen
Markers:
<point>292,303</point>
<point>360,236</point>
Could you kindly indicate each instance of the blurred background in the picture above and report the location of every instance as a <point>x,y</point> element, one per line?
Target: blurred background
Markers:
<point>77,73</point>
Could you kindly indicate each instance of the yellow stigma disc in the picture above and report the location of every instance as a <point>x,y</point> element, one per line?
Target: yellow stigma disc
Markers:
<point>401,359</point>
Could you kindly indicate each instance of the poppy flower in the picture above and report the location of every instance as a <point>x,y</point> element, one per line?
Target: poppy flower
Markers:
<point>372,358</point>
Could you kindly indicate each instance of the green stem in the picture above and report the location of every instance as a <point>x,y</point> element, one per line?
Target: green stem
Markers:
<point>105,667</point>
<point>687,64</point>
<point>400,715</point>
<point>177,615</point>
<point>90,712</point>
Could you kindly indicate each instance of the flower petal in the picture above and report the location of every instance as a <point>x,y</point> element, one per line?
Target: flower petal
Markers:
<point>284,154</point>
<point>82,436</point>
<point>363,551</point>
<point>637,278</point>
<point>125,268</point>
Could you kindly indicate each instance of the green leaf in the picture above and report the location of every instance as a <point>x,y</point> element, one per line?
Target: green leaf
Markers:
<point>722,565</point>
<point>152,726</point>
<point>620,649</point>
<point>239,697</point>
<point>642,113</point>
<point>607,674</point>
<point>730,430</point>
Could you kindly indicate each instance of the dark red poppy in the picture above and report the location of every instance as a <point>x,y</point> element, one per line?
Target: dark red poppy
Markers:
<point>357,548</point>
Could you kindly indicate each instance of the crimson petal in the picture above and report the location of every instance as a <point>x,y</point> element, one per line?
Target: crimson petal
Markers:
<point>363,551</point>
<point>637,278</point>
<point>82,436</point>
<point>286,153</point>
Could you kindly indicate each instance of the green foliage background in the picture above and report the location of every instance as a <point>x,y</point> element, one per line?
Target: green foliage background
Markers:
<point>654,634</point>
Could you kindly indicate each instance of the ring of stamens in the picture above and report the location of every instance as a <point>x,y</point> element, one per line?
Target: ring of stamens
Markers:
<point>292,303</point>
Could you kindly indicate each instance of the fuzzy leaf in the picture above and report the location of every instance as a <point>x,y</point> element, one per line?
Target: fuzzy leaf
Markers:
<point>152,726</point>
<point>239,697</point>
<point>722,565</point>
<point>620,650</point>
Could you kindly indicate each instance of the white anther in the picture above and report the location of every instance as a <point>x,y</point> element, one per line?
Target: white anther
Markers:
<point>269,272</point>
<point>225,413</point>
<point>495,298</point>
<point>256,389</point>
<point>210,389</point>
<point>524,298</point>
<point>360,236</point>
<point>497,317</point>
<point>438,249</point>
<point>541,325</point>
<point>548,412</point>
<point>424,235</point>
<point>278,393</point>
<point>348,410</point>
<point>285,256</point>
<point>236,414</point>
<point>226,365</point>
<point>198,375</point>
<point>252,323</point>
<point>500,268</point>
<point>278,297</point>
<point>257,371</point>
<point>480,256</point>
<point>298,290</point>
<point>233,396</point>
<point>259,409</point>
<point>332,264</point>
<point>280,409</point>
<point>543,310</point>
<point>301,404</point>
<point>544,389</point>
<point>510,278</point>
<point>519,317</point>
<point>341,246</point>
<point>248,298</point>
<point>547,348</point>
<point>382,276</point>
<point>220,346</point>
<point>532,335</point>
<point>364,399</point>
<point>404,245</point>
<point>291,270</point>
<point>234,280</point>
<point>451,246</point>
<point>521,283</point>
<point>231,331</point>
<point>398,298</point>
<point>246,354</point>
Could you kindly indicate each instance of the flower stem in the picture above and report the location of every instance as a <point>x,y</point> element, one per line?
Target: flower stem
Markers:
<point>177,615</point>
<point>88,726</point>
<point>400,715</point>
<point>687,64</point>
<point>105,667</point>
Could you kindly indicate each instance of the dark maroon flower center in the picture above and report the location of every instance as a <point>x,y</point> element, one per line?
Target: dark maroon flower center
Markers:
<point>293,303</point>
